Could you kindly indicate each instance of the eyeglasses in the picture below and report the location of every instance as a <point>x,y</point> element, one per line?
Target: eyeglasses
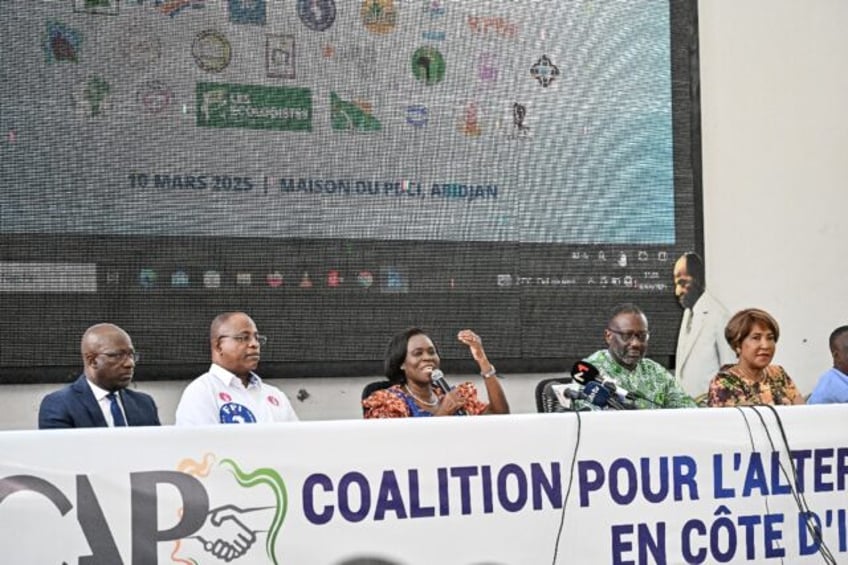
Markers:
<point>628,336</point>
<point>120,356</point>
<point>245,338</point>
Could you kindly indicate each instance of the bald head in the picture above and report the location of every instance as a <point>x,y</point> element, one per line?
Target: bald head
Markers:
<point>99,334</point>
<point>689,279</point>
<point>108,356</point>
<point>221,323</point>
<point>235,343</point>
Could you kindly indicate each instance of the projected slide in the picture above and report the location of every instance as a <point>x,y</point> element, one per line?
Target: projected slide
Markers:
<point>408,120</point>
<point>342,169</point>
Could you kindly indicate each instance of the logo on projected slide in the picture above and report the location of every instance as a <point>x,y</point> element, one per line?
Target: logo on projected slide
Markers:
<point>222,105</point>
<point>379,16</point>
<point>417,115</point>
<point>489,27</point>
<point>92,97</point>
<point>544,71</point>
<point>211,51</point>
<point>428,65</point>
<point>434,8</point>
<point>355,115</point>
<point>247,11</point>
<point>359,60</point>
<point>487,68</point>
<point>173,7</point>
<point>317,15</point>
<point>140,47</point>
<point>154,97</point>
<point>107,7</point>
<point>434,35</point>
<point>279,56</point>
<point>469,123</point>
<point>61,43</point>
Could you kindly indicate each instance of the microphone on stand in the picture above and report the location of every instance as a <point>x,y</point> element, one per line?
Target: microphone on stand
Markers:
<point>438,378</point>
<point>566,394</point>
<point>599,395</point>
<point>584,372</point>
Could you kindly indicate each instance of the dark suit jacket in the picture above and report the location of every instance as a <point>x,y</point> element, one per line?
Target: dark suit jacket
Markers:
<point>75,407</point>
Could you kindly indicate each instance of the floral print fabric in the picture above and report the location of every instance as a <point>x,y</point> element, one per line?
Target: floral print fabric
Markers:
<point>395,402</point>
<point>728,388</point>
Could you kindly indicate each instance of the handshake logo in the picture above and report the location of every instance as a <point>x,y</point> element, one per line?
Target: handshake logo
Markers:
<point>231,531</point>
<point>225,534</point>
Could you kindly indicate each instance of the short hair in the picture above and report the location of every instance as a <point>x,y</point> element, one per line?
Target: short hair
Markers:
<point>695,266</point>
<point>396,354</point>
<point>742,322</point>
<point>220,320</point>
<point>835,334</point>
<point>624,308</point>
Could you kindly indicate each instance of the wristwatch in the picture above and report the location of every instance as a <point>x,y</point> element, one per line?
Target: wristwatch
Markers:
<point>490,373</point>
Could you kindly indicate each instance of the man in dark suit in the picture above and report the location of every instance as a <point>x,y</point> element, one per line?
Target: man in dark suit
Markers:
<point>100,397</point>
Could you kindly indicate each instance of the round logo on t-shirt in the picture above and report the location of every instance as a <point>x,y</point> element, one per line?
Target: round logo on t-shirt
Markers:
<point>232,413</point>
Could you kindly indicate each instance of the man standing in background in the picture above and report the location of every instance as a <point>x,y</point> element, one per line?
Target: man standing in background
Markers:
<point>701,346</point>
<point>100,398</point>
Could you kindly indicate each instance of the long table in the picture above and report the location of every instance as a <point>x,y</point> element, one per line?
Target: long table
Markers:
<point>752,485</point>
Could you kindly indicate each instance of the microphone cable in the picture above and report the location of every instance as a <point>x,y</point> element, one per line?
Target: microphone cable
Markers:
<point>754,449</point>
<point>561,527</point>
<point>797,495</point>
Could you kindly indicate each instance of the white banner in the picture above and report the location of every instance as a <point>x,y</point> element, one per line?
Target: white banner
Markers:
<point>651,487</point>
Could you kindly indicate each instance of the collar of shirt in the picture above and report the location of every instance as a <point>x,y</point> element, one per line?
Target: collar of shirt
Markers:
<point>99,393</point>
<point>229,379</point>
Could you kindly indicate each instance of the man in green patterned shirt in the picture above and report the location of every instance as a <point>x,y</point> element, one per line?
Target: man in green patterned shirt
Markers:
<point>624,360</point>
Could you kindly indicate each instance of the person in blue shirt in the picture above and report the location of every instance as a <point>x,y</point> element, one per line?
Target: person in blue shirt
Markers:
<point>833,384</point>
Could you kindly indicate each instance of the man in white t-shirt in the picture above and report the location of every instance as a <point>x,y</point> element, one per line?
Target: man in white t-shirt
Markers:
<point>231,392</point>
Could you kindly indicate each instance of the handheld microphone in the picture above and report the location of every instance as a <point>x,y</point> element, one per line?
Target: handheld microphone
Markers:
<point>438,379</point>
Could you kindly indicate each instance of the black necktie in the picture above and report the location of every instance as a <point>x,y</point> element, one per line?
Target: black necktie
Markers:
<point>117,415</point>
